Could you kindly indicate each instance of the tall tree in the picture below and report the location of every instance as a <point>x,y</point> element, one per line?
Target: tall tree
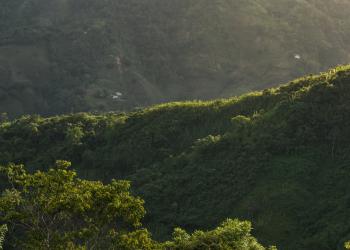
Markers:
<point>57,210</point>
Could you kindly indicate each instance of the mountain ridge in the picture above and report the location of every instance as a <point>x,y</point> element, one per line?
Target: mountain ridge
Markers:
<point>277,157</point>
<point>72,56</point>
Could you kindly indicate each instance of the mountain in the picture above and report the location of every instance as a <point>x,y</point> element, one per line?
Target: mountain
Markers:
<point>65,56</point>
<point>279,158</point>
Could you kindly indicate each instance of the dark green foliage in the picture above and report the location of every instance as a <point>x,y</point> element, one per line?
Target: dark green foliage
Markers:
<point>278,158</point>
<point>55,210</point>
<point>3,231</point>
<point>74,55</point>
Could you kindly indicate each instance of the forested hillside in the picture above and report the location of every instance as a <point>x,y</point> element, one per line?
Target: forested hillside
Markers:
<point>279,158</point>
<point>64,56</point>
<point>56,210</point>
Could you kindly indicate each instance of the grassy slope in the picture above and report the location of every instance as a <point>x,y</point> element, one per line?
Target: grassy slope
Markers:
<point>279,158</point>
<point>62,56</point>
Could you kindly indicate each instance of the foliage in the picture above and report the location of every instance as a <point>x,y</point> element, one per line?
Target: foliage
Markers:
<point>73,56</point>
<point>3,231</point>
<point>56,210</point>
<point>278,158</point>
<point>347,245</point>
<point>230,235</point>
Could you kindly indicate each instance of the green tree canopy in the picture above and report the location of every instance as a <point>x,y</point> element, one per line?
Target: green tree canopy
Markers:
<point>230,235</point>
<point>57,210</point>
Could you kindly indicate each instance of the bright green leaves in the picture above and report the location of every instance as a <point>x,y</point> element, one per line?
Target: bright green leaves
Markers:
<point>137,240</point>
<point>347,245</point>
<point>230,235</point>
<point>74,135</point>
<point>57,210</point>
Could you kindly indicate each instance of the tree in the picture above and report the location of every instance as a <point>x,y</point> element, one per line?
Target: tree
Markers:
<point>230,235</point>
<point>74,135</point>
<point>57,210</point>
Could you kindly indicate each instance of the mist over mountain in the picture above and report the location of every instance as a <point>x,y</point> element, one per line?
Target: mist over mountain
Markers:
<point>64,56</point>
<point>163,124</point>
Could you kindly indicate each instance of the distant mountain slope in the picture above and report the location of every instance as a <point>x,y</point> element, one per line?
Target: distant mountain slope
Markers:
<point>65,56</point>
<point>279,158</point>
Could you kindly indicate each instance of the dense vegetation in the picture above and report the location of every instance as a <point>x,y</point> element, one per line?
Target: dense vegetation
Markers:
<point>3,231</point>
<point>74,55</point>
<point>278,158</point>
<point>56,210</point>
